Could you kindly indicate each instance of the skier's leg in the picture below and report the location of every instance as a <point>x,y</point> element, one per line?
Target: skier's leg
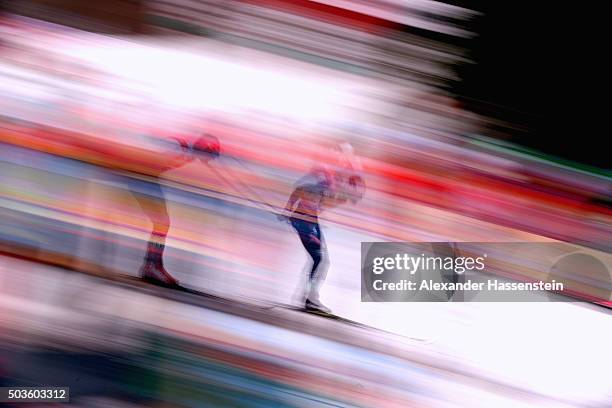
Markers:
<point>154,207</point>
<point>318,252</point>
<point>311,238</point>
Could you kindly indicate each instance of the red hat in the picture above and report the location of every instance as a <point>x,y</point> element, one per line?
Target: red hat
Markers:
<point>207,144</point>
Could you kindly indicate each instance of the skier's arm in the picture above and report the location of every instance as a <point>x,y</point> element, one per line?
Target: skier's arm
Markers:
<point>293,199</point>
<point>334,200</point>
<point>179,155</point>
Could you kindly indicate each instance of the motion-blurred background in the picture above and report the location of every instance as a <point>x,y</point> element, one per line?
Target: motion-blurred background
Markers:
<point>462,116</point>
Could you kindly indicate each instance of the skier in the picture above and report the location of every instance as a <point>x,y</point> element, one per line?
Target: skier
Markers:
<point>153,204</point>
<point>324,187</point>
